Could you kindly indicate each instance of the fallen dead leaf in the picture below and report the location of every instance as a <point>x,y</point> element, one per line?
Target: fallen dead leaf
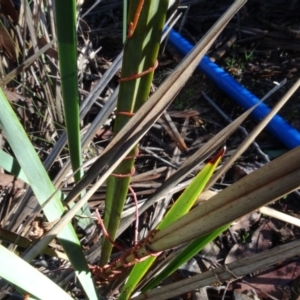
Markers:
<point>261,240</point>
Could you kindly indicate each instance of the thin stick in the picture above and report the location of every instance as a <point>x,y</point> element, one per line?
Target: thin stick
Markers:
<point>136,215</point>
<point>105,233</point>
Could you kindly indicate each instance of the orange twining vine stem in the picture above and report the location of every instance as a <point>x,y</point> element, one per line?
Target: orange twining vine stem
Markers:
<point>131,29</point>
<point>117,266</point>
<point>135,76</point>
<point>132,25</point>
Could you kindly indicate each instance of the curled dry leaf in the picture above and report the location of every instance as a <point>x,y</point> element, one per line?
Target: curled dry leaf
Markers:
<point>261,240</point>
<point>39,227</point>
<point>246,221</point>
<point>36,230</point>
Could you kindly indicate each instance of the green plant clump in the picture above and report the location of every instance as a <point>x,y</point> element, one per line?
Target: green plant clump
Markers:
<point>137,268</point>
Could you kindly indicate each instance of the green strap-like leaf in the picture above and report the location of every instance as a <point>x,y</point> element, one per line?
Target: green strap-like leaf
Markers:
<point>180,208</point>
<point>186,254</point>
<point>189,196</point>
<point>65,12</point>
<point>11,165</point>
<point>24,276</point>
<point>43,190</point>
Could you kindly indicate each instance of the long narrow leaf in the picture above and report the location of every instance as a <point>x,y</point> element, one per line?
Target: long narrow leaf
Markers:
<point>65,12</point>
<point>180,208</point>
<point>268,183</point>
<point>11,165</point>
<point>189,196</point>
<point>28,278</point>
<point>187,253</point>
<point>43,189</point>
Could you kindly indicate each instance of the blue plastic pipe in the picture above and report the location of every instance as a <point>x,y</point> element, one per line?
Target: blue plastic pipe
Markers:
<point>287,134</point>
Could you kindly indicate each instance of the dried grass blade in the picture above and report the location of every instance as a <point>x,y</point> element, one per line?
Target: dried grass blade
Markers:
<point>267,184</point>
<point>10,76</point>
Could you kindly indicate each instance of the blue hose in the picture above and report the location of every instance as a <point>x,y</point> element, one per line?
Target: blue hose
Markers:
<point>287,134</point>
